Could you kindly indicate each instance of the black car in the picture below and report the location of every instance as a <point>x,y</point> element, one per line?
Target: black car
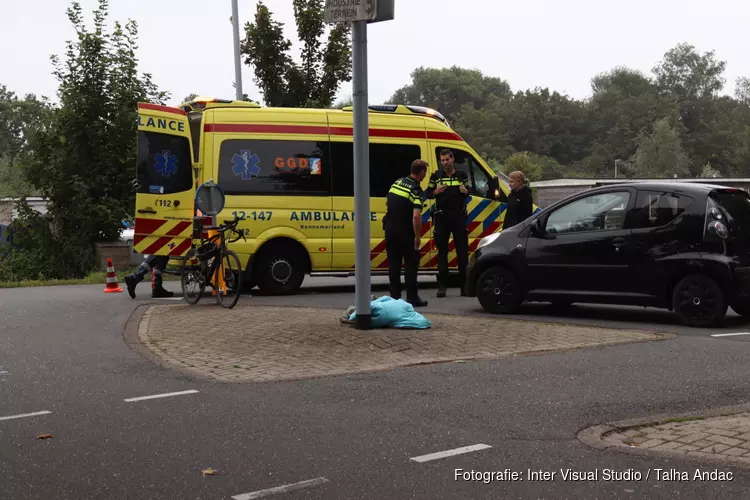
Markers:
<point>680,246</point>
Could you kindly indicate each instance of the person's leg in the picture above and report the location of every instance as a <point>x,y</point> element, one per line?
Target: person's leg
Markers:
<point>461,237</point>
<point>411,261</point>
<point>157,283</point>
<point>144,268</point>
<point>394,255</point>
<point>442,236</point>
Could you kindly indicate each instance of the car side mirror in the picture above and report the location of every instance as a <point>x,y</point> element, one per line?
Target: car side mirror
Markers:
<point>536,228</point>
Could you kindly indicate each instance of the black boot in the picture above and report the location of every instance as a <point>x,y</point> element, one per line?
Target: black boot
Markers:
<point>417,302</point>
<point>161,293</point>
<point>130,283</point>
<point>441,292</point>
<point>157,289</point>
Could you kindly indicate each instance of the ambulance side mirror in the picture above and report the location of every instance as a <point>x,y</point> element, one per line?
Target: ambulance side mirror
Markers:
<point>496,194</point>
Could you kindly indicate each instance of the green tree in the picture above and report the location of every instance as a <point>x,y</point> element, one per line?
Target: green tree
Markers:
<point>523,161</point>
<point>85,161</point>
<point>660,153</point>
<point>709,172</point>
<point>624,104</point>
<point>742,90</point>
<point>19,118</point>
<point>283,82</point>
<point>448,90</point>
<point>188,98</point>
<point>349,101</point>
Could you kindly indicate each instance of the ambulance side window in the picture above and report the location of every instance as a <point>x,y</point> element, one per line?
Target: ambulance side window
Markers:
<point>275,167</point>
<point>388,162</point>
<point>479,181</point>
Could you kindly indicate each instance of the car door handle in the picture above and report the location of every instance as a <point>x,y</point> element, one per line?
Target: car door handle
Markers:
<point>618,242</point>
<point>147,211</point>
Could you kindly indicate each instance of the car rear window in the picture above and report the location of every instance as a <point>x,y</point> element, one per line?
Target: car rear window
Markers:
<point>737,206</point>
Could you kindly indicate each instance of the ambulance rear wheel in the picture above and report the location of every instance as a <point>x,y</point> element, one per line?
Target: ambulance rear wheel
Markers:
<point>280,270</point>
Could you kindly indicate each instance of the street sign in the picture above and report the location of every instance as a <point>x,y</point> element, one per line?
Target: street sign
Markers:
<point>347,11</point>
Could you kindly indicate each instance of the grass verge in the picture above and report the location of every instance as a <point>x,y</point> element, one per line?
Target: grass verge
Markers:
<point>95,278</point>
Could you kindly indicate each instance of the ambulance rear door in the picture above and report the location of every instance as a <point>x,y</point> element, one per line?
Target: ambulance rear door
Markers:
<point>165,194</point>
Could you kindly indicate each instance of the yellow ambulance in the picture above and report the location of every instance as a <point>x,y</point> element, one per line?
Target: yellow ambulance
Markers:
<point>288,174</point>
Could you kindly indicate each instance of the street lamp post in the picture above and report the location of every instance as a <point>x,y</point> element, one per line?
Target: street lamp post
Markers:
<point>237,61</point>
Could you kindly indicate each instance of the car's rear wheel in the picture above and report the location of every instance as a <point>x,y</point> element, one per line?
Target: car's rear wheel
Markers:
<point>698,301</point>
<point>498,290</point>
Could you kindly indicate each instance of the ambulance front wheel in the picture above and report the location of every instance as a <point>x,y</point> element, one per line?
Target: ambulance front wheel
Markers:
<point>280,270</point>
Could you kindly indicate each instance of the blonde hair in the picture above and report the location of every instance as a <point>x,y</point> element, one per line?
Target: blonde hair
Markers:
<point>517,174</point>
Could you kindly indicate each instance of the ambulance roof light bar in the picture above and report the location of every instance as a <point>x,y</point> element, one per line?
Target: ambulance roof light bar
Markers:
<point>404,109</point>
<point>203,102</point>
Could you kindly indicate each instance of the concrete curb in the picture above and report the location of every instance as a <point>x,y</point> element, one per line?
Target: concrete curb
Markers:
<point>595,436</point>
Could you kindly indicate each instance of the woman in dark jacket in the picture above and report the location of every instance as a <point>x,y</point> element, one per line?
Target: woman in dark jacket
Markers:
<point>520,201</point>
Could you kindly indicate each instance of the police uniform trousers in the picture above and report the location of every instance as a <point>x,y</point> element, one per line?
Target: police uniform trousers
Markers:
<point>447,224</point>
<point>399,247</point>
<point>156,262</point>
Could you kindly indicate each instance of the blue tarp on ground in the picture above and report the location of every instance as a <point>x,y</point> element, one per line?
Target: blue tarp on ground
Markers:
<point>390,313</point>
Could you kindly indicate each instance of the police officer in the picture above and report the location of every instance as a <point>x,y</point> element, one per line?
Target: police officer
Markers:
<point>157,264</point>
<point>403,227</point>
<point>449,188</point>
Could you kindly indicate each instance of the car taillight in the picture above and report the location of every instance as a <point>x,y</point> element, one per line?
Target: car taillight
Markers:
<point>714,223</point>
<point>719,229</point>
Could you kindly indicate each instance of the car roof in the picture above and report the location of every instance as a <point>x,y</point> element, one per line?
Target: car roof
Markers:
<point>677,187</point>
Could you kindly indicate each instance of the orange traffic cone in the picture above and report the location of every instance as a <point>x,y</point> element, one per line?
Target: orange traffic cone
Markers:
<point>112,286</point>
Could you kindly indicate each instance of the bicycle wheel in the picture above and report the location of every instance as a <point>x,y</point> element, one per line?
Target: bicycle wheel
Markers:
<point>193,285</point>
<point>232,274</point>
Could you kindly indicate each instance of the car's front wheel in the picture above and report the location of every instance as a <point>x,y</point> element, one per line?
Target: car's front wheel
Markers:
<point>698,301</point>
<point>498,290</point>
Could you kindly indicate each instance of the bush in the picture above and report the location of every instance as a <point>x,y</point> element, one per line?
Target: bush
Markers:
<point>37,253</point>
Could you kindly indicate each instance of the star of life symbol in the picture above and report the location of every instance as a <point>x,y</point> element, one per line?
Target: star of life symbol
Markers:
<point>246,165</point>
<point>166,163</point>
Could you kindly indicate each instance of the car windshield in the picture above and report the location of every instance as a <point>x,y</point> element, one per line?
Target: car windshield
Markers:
<point>737,206</point>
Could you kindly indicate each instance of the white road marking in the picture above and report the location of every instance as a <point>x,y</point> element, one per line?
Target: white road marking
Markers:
<point>166,395</point>
<point>450,453</point>
<point>24,415</point>
<point>730,334</point>
<point>168,298</point>
<point>281,489</point>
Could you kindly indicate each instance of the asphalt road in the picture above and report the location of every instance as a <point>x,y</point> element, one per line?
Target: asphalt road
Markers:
<point>61,351</point>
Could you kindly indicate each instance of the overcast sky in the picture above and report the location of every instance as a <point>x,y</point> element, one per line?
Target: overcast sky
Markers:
<point>187,44</point>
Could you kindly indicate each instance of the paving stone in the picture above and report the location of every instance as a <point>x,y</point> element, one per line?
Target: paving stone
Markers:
<point>260,343</point>
<point>668,446</point>
<point>691,438</point>
<point>723,432</point>
<point>734,452</point>
<point>715,448</point>
<point>687,447</point>
<point>724,440</point>
<point>651,443</point>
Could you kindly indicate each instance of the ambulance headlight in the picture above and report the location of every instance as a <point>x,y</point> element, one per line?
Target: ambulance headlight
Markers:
<point>487,240</point>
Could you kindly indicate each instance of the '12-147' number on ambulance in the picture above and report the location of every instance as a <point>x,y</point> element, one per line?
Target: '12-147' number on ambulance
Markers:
<point>253,215</point>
